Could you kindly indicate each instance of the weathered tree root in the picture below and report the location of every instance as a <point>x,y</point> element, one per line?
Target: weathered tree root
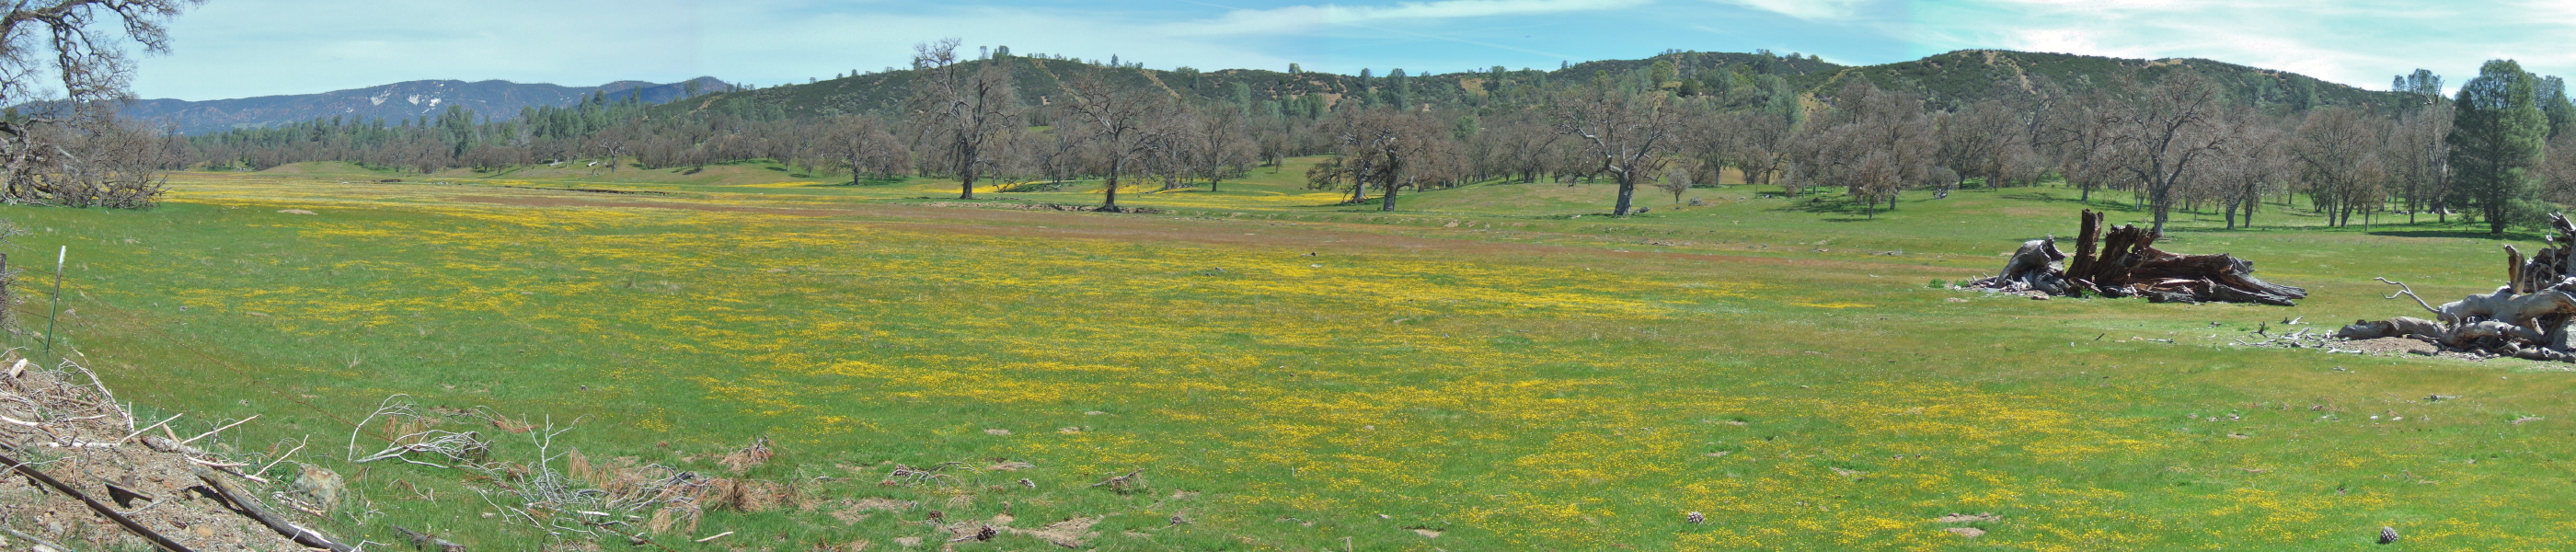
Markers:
<point>2127,265</point>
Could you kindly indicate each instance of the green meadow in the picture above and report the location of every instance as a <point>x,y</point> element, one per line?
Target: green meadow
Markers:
<point>1492,367</point>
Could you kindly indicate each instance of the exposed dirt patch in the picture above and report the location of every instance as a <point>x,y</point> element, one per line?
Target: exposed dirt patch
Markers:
<point>1043,207</point>
<point>594,190</point>
<point>1966,518</point>
<point>1068,533</point>
<point>2391,346</point>
<point>64,426</point>
<point>562,201</point>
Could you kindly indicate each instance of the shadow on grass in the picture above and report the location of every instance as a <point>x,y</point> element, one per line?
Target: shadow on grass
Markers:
<point>1836,209</point>
<point>2097,205</point>
<point>2464,233</point>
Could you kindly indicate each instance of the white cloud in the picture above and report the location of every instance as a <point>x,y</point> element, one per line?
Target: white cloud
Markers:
<point>2355,42</point>
<point>1813,10</point>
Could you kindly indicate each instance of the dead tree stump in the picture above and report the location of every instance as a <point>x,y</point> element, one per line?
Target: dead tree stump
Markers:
<point>2126,263</point>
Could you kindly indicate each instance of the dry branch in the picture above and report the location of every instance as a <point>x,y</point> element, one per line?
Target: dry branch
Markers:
<point>1122,483</point>
<point>2527,317</point>
<point>424,541</point>
<point>94,505</point>
<point>242,501</point>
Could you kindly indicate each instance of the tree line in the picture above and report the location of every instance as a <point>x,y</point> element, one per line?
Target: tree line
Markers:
<point>2177,142</point>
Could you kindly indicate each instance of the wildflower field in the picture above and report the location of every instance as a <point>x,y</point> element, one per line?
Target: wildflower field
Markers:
<point>1490,368</point>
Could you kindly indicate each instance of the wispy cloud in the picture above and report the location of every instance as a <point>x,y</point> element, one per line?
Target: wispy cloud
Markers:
<point>2355,42</point>
<point>1807,9</point>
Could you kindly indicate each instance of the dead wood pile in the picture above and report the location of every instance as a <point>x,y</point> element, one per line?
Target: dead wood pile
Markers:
<point>81,473</point>
<point>2123,262</point>
<point>2525,318</point>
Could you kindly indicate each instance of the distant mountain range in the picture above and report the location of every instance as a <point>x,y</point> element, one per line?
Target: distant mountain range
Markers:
<point>492,99</point>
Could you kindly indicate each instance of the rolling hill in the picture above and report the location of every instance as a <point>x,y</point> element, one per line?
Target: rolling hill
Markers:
<point>1947,79</point>
<point>395,102</point>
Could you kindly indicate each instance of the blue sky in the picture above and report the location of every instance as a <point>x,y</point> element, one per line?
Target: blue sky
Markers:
<point>240,48</point>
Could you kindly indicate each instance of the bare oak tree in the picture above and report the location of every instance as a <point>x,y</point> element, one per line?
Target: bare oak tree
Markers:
<point>2338,160</point>
<point>864,145</point>
<point>2160,130</point>
<point>1126,124</point>
<point>72,151</point>
<point>1872,143</point>
<point>1625,132</point>
<point>963,118</point>
<point>1387,149</point>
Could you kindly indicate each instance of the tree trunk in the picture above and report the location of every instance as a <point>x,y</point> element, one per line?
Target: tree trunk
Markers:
<point>1110,202</point>
<point>1388,203</point>
<point>2158,196</point>
<point>2089,235</point>
<point>967,181</point>
<point>1627,192</point>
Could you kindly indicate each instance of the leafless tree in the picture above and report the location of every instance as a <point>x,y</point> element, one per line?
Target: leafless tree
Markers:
<point>1388,149</point>
<point>1218,145</point>
<point>864,145</point>
<point>1984,140</point>
<point>2419,158</point>
<point>1126,124</point>
<point>2159,130</point>
<point>1757,138</point>
<point>2080,138</point>
<point>1625,132</point>
<point>47,147</point>
<point>1676,180</point>
<point>1523,147</point>
<point>1873,144</point>
<point>961,118</point>
<point>2337,154</point>
<point>2255,167</point>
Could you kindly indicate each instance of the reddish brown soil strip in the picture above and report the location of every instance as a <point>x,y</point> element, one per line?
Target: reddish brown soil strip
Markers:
<point>1318,236</point>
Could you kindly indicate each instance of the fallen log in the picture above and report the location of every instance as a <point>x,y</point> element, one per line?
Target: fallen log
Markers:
<point>250,507</point>
<point>2527,317</point>
<point>2123,262</point>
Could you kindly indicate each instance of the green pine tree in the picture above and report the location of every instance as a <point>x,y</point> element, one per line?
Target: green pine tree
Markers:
<point>2498,138</point>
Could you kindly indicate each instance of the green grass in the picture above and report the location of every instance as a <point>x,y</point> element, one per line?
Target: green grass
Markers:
<point>1496,363</point>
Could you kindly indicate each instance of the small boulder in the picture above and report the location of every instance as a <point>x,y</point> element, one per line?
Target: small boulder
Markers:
<point>317,486</point>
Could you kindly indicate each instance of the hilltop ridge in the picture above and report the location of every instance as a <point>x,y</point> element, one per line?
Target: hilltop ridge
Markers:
<point>495,99</point>
<point>1946,80</point>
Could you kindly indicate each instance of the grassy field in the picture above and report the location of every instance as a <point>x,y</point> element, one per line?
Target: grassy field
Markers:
<point>1495,367</point>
